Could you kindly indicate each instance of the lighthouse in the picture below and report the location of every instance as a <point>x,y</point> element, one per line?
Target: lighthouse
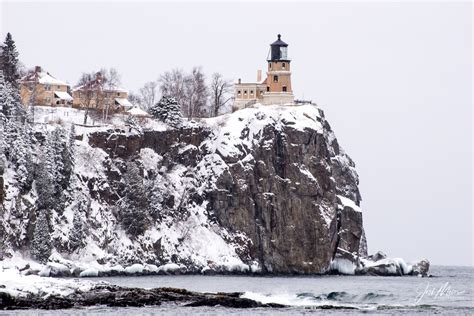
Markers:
<point>279,67</point>
<point>275,88</point>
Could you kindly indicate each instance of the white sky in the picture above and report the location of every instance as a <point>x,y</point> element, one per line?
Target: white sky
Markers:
<point>395,80</point>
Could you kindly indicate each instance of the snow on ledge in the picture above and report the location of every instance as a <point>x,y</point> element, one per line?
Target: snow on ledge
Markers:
<point>349,203</point>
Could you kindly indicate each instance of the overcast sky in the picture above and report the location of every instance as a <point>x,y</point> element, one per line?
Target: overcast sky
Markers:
<point>395,81</point>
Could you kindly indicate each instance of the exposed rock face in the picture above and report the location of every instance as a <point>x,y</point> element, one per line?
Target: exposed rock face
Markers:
<point>116,296</point>
<point>278,175</point>
<point>263,189</point>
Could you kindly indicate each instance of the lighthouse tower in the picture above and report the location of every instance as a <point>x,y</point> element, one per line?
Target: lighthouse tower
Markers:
<point>278,75</point>
<point>275,88</point>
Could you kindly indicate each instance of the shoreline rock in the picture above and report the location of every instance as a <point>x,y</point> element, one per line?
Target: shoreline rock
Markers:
<point>378,264</point>
<point>117,296</point>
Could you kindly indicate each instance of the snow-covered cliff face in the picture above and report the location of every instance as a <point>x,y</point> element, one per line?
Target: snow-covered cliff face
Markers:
<point>263,189</point>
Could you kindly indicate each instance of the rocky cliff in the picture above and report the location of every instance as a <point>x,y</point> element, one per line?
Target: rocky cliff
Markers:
<point>264,189</point>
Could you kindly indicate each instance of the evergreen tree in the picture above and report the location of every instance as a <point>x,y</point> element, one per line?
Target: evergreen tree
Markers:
<point>10,61</point>
<point>18,111</point>
<point>134,205</point>
<point>77,235</point>
<point>44,181</point>
<point>68,156</point>
<point>10,101</point>
<point>22,157</point>
<point>167,110</point>
<point>3,94</point>
<point>41,245</point>
<point>62,145</point>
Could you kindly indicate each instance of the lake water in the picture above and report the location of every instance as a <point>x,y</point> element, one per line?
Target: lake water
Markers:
<point>449,292</point>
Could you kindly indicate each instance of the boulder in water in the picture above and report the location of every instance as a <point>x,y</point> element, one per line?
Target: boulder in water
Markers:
<point>420,268</point>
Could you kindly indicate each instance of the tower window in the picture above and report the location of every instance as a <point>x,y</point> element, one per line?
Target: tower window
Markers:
<point>275,78</point>
<point>251,91</point>
<point>270,65</point>
<point>268,89</point>
<point>283,65</point>
<point>284,88</point>
<point>245,92</point>
<point>238,92</point>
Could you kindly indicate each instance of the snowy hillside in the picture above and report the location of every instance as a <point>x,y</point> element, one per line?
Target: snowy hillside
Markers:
<point>264,189</point>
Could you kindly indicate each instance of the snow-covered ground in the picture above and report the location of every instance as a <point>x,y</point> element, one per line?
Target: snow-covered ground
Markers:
<point>17,284</point>
<point>51,116</point>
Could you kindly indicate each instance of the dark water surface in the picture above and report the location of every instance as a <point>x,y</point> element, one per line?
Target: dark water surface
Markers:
<point>449,292</point>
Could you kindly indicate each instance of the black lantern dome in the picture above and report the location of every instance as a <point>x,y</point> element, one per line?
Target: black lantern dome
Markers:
<point>279,50</point>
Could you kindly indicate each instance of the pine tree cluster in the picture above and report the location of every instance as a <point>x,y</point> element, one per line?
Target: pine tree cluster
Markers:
<point>42,167</point>
<point>168,111</point>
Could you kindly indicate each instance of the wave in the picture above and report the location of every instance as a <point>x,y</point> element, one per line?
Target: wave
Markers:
<point>335,300</point>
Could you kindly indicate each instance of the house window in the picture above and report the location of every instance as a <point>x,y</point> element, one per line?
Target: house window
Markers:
<point>283,65</point>
<point>59,87</point>
<point>284,88</point>
<point>47,87</point>
<point>48,100</point>
<point>268,89</point>
<point>275,78</point>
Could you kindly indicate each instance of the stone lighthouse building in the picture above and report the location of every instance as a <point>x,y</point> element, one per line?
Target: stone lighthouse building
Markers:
<point>276,87</point>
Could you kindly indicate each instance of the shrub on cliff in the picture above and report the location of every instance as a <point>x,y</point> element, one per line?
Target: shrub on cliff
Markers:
<point>168,111</point>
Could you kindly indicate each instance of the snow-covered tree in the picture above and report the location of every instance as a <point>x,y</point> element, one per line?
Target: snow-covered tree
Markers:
<point>167,110</point>
<point>71,148</point>
<point>57,146</point>
<point>190,90</point>
<point>19,112</point>
<point>10,101</point>
<point>9,59</point>
<point>3,94</point>
<point>22,157</point>
<point>172,84</point>
<point>64,148</point>
<point>133,206</point>
<point>44,178</point>
<point>41,244</point>
<point>133,123</point>
<point>77,235</point>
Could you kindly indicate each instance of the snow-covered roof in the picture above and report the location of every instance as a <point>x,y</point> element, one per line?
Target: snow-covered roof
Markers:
<point>63,95</point>
<point>43,77</point>
<point>123,102</point>
<point>114,89</point>
<point>100,83</point>
<point>137,112</point>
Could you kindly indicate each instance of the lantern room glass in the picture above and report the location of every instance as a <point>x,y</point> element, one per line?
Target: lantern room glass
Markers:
<point>283,52</point>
